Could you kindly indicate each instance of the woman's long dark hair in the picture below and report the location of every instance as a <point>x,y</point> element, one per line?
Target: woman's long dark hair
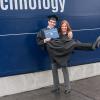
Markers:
<point>68,26</point>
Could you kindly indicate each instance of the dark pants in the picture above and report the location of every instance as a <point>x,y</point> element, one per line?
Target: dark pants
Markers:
<point>56,76</point>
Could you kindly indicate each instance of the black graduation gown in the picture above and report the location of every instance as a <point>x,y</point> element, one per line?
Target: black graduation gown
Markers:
<point>60,49</point>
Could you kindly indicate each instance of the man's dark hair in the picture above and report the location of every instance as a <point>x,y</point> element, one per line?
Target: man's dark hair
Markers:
<point>53,17</point>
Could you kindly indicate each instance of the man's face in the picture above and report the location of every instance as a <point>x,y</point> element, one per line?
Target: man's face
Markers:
<point>51,23</point>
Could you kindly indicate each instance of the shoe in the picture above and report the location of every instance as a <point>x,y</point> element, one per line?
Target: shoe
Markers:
<point>96,44</point>
<point>55,90</point>
<point>67,91</point>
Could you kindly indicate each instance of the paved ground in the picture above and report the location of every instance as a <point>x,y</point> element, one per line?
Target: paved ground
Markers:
<point>86,89</point>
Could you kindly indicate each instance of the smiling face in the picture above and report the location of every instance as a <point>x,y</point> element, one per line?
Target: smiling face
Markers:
<point>51,23</point>
<point>64,28</point>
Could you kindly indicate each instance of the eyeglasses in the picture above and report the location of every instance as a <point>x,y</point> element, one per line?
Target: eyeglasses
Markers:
<point>51,21</point>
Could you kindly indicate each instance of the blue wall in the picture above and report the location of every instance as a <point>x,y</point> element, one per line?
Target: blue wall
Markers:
<point>19,52</point>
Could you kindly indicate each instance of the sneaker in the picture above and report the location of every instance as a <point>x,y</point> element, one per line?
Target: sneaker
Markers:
<point>67,91</point>
<point>55,90</point>
<point>96,44</point>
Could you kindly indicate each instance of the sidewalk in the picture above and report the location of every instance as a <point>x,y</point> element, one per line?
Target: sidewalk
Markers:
<point>86,89</point>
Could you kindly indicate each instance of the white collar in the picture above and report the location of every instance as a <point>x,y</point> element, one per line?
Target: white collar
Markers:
<point>49,27</point>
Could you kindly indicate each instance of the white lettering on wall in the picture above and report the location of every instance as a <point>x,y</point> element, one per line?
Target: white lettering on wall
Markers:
<point>32,4</point>
<point>46,4</point>
<point>25,4</point>
<point>62,5</point>
<point>39,4</point>
<point>53,5</point>
<point>3,4</point>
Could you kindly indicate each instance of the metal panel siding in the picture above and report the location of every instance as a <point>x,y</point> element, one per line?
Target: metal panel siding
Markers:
<point>19,52</point>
